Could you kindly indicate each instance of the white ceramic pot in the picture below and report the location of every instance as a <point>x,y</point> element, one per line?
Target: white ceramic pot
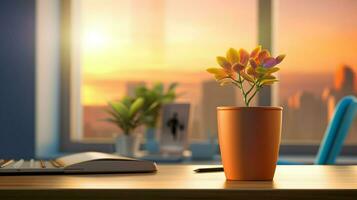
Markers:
<point>127,145</point>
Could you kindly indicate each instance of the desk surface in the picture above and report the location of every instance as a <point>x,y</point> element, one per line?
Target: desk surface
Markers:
<point>180,182</point>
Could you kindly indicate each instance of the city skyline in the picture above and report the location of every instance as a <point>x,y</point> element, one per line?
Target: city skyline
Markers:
<point>301,107</point>
<point>306,115</point>
<point>99,92</point>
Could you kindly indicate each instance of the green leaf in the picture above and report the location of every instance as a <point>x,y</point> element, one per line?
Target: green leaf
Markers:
<point>115,120</point>
<point>172,87</point>
<point>153,97</point>
<point>136,106</point>
<point>140,91</point>
<point>121,109</point>
<point>261,70</point>
<point>169,97</point>
<point>268,81</point>
<point>109,120</point>
<point>274,69</point>
<point>127,101</point>
<point>113,113</point>
<point>153,106</point>
<point>268,76</point>
<point>167,100</point>
<point>159,88</point>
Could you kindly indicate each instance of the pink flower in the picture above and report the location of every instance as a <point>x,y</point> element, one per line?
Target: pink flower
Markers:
<point>243,57</point>
<point>255,51</point>
<point>262,56</point>
<point>270,62</point>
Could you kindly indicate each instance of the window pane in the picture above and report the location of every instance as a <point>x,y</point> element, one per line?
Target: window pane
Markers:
<point>126,43</point>
<point>320,40</point>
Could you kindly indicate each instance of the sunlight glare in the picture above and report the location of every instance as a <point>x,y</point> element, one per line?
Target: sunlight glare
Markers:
<point>94,39</point>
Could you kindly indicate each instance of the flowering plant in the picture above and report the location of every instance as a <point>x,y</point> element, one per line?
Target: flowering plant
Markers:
<point>255,68</point>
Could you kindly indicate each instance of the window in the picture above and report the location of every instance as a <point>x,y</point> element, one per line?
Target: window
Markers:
<point>320,40</point>
<point>117,45</point>
<point>125,43</point>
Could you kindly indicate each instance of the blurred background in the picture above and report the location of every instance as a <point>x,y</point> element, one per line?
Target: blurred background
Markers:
<point>62,61</point>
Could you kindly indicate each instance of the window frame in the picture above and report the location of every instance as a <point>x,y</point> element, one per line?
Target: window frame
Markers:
<point>66,112</point>
<point>268,95</point>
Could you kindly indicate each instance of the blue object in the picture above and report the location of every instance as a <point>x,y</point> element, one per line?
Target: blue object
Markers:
<point>17,78</point>
<point>337,131</point>
<point>202,150</point>
<point>150,134</point>
<point>285,162</point>
<point>152,146</point>
<point>335,134</point>
<point>151,143</point>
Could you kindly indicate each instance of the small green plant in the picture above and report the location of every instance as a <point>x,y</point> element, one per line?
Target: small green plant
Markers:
<point>240,67</point>
<point>154,99</point>
<point>127,113</point>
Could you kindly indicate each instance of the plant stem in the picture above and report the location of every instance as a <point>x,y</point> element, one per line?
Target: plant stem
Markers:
<point>236,83</point>
<point>252,86</point>
<point>248,92</point>
<point>242,89</point>
<point>255,92</point>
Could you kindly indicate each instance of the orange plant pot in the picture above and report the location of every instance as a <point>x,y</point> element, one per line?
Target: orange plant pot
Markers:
<point>249,139</point>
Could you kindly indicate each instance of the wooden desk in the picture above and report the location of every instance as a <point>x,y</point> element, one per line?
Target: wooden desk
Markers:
<point>180,182</point>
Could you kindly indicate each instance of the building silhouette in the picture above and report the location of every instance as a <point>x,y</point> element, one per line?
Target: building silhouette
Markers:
<point>306,116</point>
<point>344,84</point>
<point>130,87</point>
<point>214,95</point>
<point>344,80</point>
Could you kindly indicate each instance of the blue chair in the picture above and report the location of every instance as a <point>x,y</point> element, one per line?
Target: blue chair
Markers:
<point>335,134</point>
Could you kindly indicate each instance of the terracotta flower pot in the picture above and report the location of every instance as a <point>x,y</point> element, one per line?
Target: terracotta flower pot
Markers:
<point>249,139</point>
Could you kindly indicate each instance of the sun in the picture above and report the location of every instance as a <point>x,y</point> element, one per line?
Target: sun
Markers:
<point>95,39</point>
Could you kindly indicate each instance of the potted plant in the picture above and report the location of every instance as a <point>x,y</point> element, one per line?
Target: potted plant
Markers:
<point>249,137</point>
<point>127,114</point>
<point>154,98</point>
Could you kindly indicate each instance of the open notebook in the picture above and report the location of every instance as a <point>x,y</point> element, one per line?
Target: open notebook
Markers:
<point>88,162</point>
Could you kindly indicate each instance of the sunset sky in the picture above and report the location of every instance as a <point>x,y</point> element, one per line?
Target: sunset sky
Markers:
<point>176,40</point>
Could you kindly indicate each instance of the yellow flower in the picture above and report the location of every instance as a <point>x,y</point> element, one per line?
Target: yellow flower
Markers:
<point>255,66</point>
<point>218,73</point>
<point>243,69</point>
<point>232,56</point>
<point>223,62</point>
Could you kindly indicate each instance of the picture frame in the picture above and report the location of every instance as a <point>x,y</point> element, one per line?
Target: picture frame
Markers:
<point>174,128</point>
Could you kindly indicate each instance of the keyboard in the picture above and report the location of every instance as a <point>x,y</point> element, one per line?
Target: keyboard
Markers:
<point>30,165</point>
